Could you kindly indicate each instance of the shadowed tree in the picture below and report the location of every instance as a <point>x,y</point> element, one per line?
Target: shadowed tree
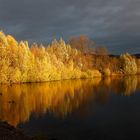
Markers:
<point>82,43</point>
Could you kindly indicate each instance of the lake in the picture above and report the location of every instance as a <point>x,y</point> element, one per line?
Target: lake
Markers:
<point>87,109</point>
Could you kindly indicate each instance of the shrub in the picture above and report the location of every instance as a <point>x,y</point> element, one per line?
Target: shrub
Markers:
<point>107,72</point>
<point>128,64</point>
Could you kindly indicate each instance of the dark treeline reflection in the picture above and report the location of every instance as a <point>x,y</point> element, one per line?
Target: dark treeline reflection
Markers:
<point>18,102</point>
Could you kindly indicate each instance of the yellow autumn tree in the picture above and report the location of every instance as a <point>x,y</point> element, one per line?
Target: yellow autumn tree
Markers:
<point>21,63</point>
<point>129,65</point>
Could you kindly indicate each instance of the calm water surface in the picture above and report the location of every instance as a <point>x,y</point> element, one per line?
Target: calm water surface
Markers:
<point>75,109</point>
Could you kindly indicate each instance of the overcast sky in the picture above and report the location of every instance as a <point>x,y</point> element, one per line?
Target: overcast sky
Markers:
<point>114,23</point>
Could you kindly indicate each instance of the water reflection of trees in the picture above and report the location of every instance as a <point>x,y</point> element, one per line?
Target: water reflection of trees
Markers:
<point>17,102</point>
<point>125,86</point>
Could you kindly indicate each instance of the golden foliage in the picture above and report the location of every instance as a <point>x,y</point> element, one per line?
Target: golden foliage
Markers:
<point>129,65</point>
<point>20,63</point>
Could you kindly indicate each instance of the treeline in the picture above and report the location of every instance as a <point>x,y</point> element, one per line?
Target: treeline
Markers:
<point>80,58</point>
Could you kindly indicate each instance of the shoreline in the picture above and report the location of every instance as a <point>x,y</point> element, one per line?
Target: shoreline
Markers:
<point>101,76</point>
<point>9,132</point>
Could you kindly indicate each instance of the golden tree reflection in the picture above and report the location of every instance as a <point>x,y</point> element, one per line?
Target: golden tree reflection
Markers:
<point>125,86</point>
<point>18,102</point>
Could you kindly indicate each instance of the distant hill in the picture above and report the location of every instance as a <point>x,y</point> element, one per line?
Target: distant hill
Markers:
<point>136,55</point>
<point>116,56</point>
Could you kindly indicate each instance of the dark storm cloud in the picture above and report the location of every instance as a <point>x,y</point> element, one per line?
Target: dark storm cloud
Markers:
<point>115,23</point>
